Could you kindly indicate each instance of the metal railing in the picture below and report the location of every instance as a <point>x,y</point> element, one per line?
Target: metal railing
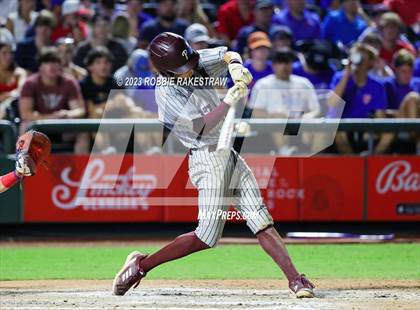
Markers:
<point>8,133</point>
<point>257,124</point>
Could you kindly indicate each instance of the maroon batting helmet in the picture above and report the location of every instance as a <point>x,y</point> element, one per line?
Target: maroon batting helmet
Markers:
<point>171,54</point>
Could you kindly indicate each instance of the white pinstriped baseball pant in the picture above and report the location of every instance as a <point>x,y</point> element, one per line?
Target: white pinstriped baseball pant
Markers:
<point>222,180</point>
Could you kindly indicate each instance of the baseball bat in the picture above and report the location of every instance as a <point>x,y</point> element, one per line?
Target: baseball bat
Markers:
<point>226,132</point>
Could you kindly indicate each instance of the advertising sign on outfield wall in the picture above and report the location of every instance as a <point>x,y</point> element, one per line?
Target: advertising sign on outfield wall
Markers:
<point>157,189</point>
<point>333,188</point>
<point>57,195</point>
<point>393,188</point>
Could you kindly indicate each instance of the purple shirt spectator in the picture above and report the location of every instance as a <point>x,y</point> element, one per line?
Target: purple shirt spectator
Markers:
<point>416,72</point>
<point>361,102</point>
<point>336,27</point>
<point>396,92</point>
<point>306,28</point>
<point>258,74</point>
<point>142,18</point>
<point>320,80</point>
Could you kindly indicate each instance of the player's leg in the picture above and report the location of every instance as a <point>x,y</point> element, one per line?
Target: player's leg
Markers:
<point>260,222</point>
<point>207,174</point>
<point>8,180</point>
<point>208,177</point>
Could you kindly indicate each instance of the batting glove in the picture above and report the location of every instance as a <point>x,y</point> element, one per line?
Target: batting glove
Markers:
<point>239,73</point>
<point>235,93</point>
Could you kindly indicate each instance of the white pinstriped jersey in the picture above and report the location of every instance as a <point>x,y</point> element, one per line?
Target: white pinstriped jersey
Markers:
<point>178,105</point>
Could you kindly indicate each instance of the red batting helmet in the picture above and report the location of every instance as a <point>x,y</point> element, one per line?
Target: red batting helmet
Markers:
<point>171,54</point>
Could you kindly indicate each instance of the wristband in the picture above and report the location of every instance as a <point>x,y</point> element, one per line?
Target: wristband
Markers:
<point>9,179</point>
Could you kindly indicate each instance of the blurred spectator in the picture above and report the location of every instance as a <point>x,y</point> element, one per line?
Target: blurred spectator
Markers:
<point>259,51</point>
<point>7,7</point>
<point>416,72</point>
<point>19,21</point>
<point>28,49</point>
<point>49,94</point>
<point>304,24</point>
<point>315,66</point>
<point>69,24</point>
<point>263,14</point>
<point>408,10</point>
<point>106,8</point>
<point>232,16</point>
<point>101,37</point>
<point>284,95</point>
<point>403,89</point>
<point>122,107</point>
<point>136,16</point>
<point>7,37</point>
<point>65,47</point>
<point>380,69</point>
<point>281,36</point>
<point>192,11</point>
<point>138,67</point>
<point>197,36</point>
<point>344,25</point>
<point>391,27</point>
<point>11,78</point>
<point>97,85</point>
<point>363,95</point>
<point>166,20</point>
<point>121,32</point>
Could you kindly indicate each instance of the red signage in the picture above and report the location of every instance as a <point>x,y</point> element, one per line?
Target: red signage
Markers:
<point>101,191</point>
<point>157,189</point>
<point>333,188</point>
<point>393,188</point>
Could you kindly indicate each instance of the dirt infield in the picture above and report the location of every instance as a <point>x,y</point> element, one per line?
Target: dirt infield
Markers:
<point>209,294</point>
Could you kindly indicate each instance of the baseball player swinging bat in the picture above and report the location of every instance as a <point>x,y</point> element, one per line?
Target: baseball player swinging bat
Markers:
<point>205,125</point>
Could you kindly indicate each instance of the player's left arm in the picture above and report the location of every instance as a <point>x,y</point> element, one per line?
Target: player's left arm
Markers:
<point>236,69</point>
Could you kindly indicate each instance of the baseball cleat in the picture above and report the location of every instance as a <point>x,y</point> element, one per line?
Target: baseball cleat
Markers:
<point>130,274</point>
<point>302,287</point>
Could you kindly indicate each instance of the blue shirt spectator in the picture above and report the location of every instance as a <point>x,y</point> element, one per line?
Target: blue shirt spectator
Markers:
<point>416,72</point>
<point>396,92</point>
<point>256,74</point>
<point>361,102</point>
<point>25,53</point>
<point>316,67</point>
<point>166,20</point>
<point>320,80</point>
<point>343,26</point>
<point>304,24</point>
<point>28,49</point>
<point>258,64</point>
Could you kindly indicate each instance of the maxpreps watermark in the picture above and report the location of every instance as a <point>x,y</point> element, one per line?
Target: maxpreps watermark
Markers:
<point>226,215</point>
<point>195,81</point>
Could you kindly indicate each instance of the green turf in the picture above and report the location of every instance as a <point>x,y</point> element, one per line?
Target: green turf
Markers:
<point>369,261</point>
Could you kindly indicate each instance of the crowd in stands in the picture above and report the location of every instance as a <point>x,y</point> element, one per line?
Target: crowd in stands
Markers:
<point>62,59</point>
